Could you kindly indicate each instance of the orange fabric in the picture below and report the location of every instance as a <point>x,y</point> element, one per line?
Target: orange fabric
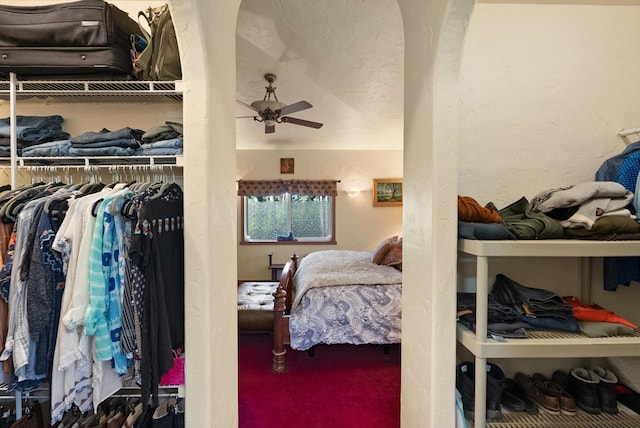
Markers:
<point>594,312</point>
<point>470,210</point>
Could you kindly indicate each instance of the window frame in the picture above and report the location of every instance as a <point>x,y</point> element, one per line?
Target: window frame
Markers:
<point>307,241</point>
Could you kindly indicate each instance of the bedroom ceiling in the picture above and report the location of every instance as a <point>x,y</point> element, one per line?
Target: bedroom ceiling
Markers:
<point>345,57</point>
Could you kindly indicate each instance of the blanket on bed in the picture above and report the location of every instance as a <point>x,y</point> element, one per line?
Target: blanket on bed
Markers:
<point>340,267</point>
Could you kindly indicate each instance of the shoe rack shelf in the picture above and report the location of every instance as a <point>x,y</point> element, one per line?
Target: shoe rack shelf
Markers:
<point>626,418</point>
<point>540,344</point>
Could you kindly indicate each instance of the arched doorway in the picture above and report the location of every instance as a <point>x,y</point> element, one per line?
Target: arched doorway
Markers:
<point>434,35</point>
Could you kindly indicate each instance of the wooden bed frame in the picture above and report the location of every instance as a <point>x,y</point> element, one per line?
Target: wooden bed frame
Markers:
<point>282,299</point>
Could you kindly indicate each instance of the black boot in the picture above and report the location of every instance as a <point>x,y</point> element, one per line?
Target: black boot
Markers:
<point>606,388</point>
<point>584,389</point>
<point>465,382</point>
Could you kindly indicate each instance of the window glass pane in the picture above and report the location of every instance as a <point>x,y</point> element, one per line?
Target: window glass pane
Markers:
<point>266,217</point>
<point>311,216</point>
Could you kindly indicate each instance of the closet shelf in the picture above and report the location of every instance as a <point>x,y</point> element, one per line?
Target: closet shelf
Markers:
<point>99,91</point>
<point>626,418</point>
<point>551,344</point>
<point>100,161</point>
<point>550,248</point>
<point>540,344</point>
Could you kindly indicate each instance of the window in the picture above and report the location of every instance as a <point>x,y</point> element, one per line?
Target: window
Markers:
<point>295,211</point>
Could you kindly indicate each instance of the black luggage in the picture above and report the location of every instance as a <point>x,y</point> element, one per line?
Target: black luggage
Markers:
<point>65,40</point>
<point>66,62</point>
<point>80,23</point>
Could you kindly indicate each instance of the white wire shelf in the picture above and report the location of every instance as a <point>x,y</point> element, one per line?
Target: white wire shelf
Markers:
<point>101,91</point>
<point>99,161</point>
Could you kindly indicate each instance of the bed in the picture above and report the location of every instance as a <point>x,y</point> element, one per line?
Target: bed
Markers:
<point>337,297</point>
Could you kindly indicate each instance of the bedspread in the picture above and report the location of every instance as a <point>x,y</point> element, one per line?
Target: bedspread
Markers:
<point>340,267</point>
<point>350,300</point>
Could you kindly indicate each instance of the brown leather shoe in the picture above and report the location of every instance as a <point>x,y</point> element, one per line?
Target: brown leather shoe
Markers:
<point>544,397</point>
<point>567,402</point>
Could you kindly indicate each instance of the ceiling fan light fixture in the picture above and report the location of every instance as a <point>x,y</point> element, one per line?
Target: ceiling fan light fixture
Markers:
<point>271,111</point>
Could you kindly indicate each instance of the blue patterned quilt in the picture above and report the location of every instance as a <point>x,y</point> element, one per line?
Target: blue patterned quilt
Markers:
<point>340,296</point>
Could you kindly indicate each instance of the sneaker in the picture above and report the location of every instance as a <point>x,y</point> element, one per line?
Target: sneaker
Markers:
<point>606,388</point>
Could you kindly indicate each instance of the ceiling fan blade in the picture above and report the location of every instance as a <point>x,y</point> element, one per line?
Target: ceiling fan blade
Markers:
<point>249,106</point>
<point>302,122</point>
<point>269,129</point>
<point>292,108</point>
<point>245,117</point>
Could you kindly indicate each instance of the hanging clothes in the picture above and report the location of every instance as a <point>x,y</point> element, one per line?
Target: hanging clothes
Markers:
<point>90,301</point>
<point>622,168</point>
<point>160,249</point>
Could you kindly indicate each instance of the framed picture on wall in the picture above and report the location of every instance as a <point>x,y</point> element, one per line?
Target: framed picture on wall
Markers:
<point>287,165</point>
<point>387,192</point>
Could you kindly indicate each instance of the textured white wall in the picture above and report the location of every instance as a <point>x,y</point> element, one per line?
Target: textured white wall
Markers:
<point>544,89</point>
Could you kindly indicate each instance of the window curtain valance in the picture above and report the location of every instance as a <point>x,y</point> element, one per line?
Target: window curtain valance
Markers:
<point>296,187</point>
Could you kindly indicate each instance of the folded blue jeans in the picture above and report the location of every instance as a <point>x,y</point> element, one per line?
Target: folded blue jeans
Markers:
<point>51,148</point>
<point>158,151</point>
<point>106,135</point>
<point>171,143</point>
<point>33,128</point>
<point>119,142</point>
<point>537,301</point>
<point>101,151</point>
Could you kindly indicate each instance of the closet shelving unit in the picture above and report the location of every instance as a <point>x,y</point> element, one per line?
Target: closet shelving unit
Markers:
<point>15,91</point>
<point>543,344</point>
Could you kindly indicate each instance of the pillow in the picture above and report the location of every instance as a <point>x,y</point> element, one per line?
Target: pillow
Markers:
<point>382,249</point>
<point>394,255</point>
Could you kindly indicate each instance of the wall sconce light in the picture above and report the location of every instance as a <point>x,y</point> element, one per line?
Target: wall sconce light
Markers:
<point>352,193</point>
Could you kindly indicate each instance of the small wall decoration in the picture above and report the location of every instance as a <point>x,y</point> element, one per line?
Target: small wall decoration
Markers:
<point>387,192</point>
<point>287,165</point>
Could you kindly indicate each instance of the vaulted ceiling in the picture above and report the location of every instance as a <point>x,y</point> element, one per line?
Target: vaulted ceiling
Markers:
<point>345,57</point>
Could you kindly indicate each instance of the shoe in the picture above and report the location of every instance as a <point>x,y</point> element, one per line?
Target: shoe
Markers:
<point>566,400</point>
<point>466,386</point>
<point>495,387</point>
<point>537,390</point>
<point>584,388</point>
<point>515,398</point>
<point>465,382</point>
<point>606,388</point>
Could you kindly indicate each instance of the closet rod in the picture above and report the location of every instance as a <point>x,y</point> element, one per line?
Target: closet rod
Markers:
<point>626,132</point>
<point>12,130</point>
<point>82,168</point>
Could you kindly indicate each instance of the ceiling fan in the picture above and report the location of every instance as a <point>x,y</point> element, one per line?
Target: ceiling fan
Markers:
<point>271,111</point>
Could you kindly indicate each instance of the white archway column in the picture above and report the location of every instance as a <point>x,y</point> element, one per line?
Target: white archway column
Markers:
<point>206,32</point>
<point>434,37</point>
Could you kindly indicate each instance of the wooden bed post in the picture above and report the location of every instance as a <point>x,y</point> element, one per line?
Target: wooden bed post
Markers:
<point>282,299</point>
<point>279,353</point>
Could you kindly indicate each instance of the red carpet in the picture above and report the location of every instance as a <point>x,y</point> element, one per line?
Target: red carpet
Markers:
<point>341,386</point>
